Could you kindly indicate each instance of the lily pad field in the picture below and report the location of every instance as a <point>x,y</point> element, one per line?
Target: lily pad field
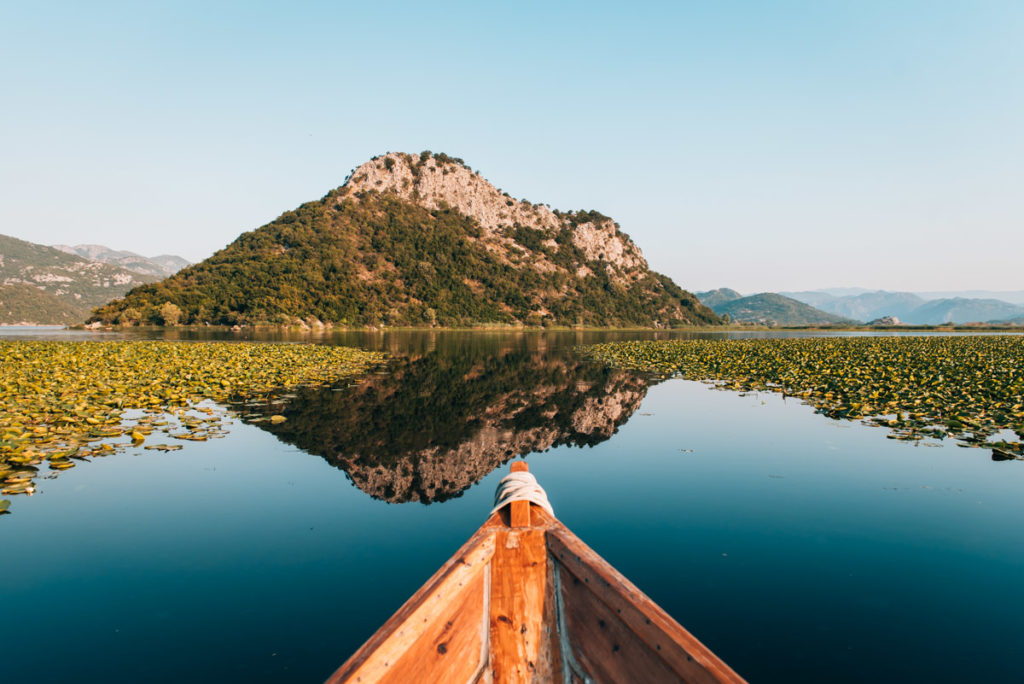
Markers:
<point>66,401</point>
<point>969,388</point>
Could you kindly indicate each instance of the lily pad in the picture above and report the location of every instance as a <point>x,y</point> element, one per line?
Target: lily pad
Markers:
<point>966,387</point>
<point>56,397</point>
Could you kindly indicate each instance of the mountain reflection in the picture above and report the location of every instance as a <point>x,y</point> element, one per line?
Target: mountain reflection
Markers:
<point>438,423</point>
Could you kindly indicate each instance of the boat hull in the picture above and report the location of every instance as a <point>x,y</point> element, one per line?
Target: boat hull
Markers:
<point>531,603</point>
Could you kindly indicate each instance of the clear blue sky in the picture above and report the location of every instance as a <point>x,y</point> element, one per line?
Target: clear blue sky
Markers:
<point>756,145</point>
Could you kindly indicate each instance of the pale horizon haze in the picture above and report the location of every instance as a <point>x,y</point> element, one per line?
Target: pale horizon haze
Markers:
<point>762,146</point>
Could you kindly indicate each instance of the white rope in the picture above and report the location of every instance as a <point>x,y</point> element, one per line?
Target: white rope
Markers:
<point>521,486</point>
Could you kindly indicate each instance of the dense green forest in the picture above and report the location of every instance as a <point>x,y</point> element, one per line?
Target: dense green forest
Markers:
<point>374,259</point>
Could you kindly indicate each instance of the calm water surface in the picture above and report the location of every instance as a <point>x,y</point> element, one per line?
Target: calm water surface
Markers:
<point>798,548</point>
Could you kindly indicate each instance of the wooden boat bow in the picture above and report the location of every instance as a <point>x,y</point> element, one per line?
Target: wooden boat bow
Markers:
<point>525,600</point>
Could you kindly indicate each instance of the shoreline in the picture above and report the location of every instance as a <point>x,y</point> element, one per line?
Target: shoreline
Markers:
<point>967,327</point>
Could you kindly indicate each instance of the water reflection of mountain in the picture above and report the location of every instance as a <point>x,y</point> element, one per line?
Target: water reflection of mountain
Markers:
<point>438,423</point>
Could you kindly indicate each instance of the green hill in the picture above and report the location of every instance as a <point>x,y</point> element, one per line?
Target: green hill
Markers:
<point>722,295</point>
<point>67,287</point>
<point>769,308</point>
<point>28,305</point>
<point>421,240</point>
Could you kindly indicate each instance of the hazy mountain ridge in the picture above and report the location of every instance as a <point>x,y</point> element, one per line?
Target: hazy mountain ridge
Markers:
<point>769,308</point>
<point>422,240</point>
<point>865,306</point>
<point>960,310</point>
<point>68,286</point>
<point>161,265</point>
<point>911,308</point>
<point>1011,296</point>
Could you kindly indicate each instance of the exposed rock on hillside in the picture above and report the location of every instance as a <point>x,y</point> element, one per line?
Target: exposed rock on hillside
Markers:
<point>438,181</point>
<point>423,240</point>
<point>886,321</point>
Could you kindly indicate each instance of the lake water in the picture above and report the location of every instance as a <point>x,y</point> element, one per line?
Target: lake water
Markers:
<point>798,548</point>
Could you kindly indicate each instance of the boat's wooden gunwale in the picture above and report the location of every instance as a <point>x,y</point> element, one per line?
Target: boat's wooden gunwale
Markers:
<point>521,642</point>
<point>680,650</point>
<point>389,643</point>
<point>511,566</point>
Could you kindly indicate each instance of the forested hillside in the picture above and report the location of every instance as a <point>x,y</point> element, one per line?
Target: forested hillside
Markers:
<point>420,241</point>
<point>769,308</point>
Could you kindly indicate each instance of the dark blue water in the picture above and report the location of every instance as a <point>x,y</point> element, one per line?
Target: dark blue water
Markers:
<point>798,548</point>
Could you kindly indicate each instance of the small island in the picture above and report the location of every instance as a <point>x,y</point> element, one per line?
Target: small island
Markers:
<point>419,240</point>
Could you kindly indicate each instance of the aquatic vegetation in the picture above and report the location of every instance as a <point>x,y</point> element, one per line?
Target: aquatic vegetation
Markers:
<point>968,388</point>
<point>67,401</point>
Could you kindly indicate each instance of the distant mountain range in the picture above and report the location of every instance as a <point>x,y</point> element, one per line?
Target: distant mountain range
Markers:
<point>912,308</point>
<point>162,265</point>
<point>1011,296</point>
<point>44,285</point>
<point>767,308</point>
<point>865,306</point>
<point>833,307</point>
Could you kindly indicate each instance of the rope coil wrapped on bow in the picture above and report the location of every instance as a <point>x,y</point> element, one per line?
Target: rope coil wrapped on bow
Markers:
<point>521,486</point>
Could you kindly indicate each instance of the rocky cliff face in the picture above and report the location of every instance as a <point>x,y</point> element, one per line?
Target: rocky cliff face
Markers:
<point>436,181</point>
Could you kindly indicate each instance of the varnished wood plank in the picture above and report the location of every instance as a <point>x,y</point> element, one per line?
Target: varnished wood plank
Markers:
<point>680,650</point>
<point>409,623</point>
<point>519,515</point>
<point>549,655</point>
<point>618,631</point>
<point>518,580</point>
<point>449,650</point>
<point>605,647</point>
